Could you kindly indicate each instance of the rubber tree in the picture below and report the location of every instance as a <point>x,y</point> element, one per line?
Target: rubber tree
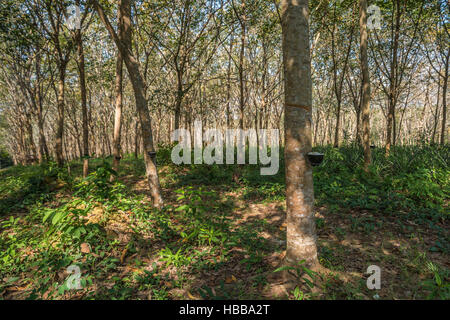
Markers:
<point>365,95</point>
<point>118,91</point>
<point>138,84</point>
<point>301,235</point>
<point>77,36</point>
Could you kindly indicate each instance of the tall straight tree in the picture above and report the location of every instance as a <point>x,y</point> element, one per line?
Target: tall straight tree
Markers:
<point>301,235</point>
<point>43,148</point>
<point>138,83</point>
<point>78,39</point>
<point>118,92</point>
<point>242,22</point>
<point>393,96</point>
<point>444,101</point>
<point>365,96</point>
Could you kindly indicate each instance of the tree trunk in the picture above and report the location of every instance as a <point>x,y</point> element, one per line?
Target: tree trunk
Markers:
<point>301,236</point>
<point>241,80</point>
<point>241,65</point>
<point>228,113</point>
<point>31,147</point>
<point>179,100</point>
<point>43,149</point>
<point>365,94</point>
<point>393,82</point>
<point>136,139</point>
<point>358,126</point>
<point>118,93</point>
<point>138,84</point>
<point>444,102</point>
<point>60,119</point>
<point>338,124</point>
<point>82,76</point>
<point>436,115</point>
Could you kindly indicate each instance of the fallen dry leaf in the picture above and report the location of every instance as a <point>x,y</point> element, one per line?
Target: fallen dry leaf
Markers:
<point>191,296</point>
<point>85,248</point>
<point>122,256</point>
<point>230,279</point>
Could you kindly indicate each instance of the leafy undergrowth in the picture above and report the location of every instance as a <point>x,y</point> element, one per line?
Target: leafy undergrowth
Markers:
<point>221,234</point>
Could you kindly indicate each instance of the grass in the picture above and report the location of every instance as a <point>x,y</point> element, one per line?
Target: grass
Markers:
<point>221,236</point>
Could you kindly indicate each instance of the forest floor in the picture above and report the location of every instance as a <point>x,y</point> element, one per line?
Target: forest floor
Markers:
<point>219,237</point>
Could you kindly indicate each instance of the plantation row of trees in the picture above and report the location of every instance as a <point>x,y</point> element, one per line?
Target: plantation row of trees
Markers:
<point>99,78</point>
<point>64,93</point>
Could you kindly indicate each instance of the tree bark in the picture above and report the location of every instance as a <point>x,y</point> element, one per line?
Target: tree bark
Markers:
<point>82,76</point>
<point>136,139</point>
<point>301,236</point>
<point>43,149</point>
<point>242,22</point>
<point>119,100</point>
<point>60,120</point>
<point>241,77</point>
<point>365,95</point>
<point>444,102</point>
<point>393,81</point>
<point>138,84</point>
<point>228,113</point>
<point>179,99</point>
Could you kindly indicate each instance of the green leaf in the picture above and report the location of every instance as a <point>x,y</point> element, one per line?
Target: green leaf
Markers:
<point>309,283</point>
<point>183,207</point>
<point>283,268</point>
<point>47,215</point>
<point>58,217</point>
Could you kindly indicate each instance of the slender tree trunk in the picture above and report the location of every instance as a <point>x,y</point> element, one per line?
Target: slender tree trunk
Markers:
<point>393,82</point>
<point>82,76</point>
<point>138,84</point>
<point>136,139</point>
<point>358,127</point>
<point>241,81</point>
<point>436,115</point>
<point>43,149</point>
<point>118,93</point>
<point>301,235</point>
<point>264,87</point>
<point>31,147</point>
<point>60,119</point>
<point>229,83</point>
<point>169,131</point>
<point>444,102</point>
<point>179,100</point>
<point>338,124</point>
<point>365,94</point>
<point>22,145</point>
<point>118,115</point>
<point>241,68</point>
